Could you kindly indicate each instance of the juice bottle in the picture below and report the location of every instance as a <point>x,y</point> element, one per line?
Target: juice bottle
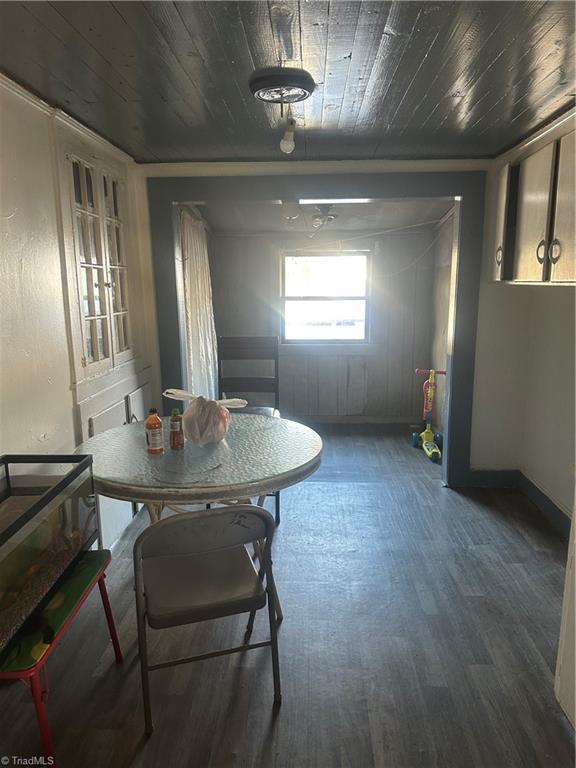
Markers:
<point>176,432</point>
<point>154,432</point>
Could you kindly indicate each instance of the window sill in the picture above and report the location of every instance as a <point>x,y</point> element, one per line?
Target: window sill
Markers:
<point>340,348</point>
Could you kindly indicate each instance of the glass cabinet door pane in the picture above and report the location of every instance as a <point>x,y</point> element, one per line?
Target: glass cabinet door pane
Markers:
<point>102,338</point>
<point>80,239</point>
<point>89,341</point>
<point>111,240</point>
<point>115,198</point>
<point>95,257</point>
<point>89,189</point>
<point>85,295</point>
<point>99,292</point>
<point>119,250</point>
<point>118,292</point>
<point>107,196</point>
<point>77,183</point>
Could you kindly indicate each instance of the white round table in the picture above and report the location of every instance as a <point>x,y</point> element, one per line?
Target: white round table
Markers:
<point>260,455</point>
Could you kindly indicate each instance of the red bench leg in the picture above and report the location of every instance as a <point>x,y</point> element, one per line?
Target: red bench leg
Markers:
<point>109,618</point>
<point>39,697</point>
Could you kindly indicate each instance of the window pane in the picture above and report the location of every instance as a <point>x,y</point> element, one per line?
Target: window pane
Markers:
<point>118,289</point>
<point>77,184</point>
<point>89,189</point>
<point>325,320</point>
<point>325,275</point>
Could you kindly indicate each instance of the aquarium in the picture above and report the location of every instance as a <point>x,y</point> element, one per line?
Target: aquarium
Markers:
<point>48,516</point>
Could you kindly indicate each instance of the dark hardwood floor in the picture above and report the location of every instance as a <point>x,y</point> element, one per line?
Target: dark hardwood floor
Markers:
<point>420,631</point>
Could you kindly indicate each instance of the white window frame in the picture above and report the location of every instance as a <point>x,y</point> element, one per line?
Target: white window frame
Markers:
<point>365,297</point>
<point>84,369</point>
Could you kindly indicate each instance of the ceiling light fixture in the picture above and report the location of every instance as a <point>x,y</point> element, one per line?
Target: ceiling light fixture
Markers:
<point>287,143</point>
<point>281,85</point>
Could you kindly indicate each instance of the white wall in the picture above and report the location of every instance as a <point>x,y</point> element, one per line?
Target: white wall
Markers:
<point>441,293</point>
<point>523,414</point>
<point>36,407</point>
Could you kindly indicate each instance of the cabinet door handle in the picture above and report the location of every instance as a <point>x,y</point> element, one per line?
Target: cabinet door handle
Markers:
<point>499,255</point>
<point>554,244</point>
<point>541,244</point>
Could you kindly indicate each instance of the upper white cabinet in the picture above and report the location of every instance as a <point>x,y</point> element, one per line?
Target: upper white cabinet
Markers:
<point>502,194</point>
<point>543,203</point>
<point>534,201</point>
<point>561,249</point>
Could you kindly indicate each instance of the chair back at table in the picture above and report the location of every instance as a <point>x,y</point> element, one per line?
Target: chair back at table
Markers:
<point>248,348</point>
<point>199,532</point>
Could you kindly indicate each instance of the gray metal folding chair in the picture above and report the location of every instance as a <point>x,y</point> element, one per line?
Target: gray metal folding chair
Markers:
<point>195,567</point>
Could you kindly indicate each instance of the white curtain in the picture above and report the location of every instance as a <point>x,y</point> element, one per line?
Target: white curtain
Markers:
<point>200,355</point>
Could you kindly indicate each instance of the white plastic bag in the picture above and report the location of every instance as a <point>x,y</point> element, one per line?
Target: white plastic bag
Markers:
<point>205,421</point>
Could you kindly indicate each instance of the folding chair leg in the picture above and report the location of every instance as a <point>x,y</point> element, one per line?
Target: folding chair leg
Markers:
<point>109,618</point>
<point>143,653</point>
<point>274,648</point>
<point>250,627</point>
<point>277,508</point>
<point>39,696</point>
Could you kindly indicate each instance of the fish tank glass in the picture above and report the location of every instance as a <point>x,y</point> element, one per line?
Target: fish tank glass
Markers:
<point>48,517</point>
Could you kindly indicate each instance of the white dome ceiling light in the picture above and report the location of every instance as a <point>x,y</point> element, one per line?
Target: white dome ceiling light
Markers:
<point>282,85</point>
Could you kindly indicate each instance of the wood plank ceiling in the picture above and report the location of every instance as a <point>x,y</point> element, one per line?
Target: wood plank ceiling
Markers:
<point>168,81</point>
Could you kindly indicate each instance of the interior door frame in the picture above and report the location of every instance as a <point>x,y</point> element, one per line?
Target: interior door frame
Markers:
<point>466,187</point>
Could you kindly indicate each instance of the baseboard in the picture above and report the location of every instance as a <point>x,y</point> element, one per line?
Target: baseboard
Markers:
<point>514,478</point>
<point>493,478</point>
<point>557,518</point>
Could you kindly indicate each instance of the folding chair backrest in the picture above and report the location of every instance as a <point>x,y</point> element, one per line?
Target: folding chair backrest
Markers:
<point>233,349</point>
<point>193,533</point>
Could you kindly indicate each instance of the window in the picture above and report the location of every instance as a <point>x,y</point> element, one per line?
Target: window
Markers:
<point>101,265</point>
<point>325,297</point>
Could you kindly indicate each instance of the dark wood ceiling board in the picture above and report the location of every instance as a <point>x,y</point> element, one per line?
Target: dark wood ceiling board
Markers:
<point>342,23</point>
<point>287,32</point>
<point>170,26</point>
<point>104,27</point>
<point>399,28</point>
<point>533,81</point>
<point>462,35</point>
<point>411,81</point>
<point>26,38</point>
<point>529,75</point>
<point>262,45</point>
<point>30,42</point>
<point>484,70</point>
<point>219,34</point>
<point>371,23</point>
<point>165,72</point>
<point>81,49</point>
<point>314,22</point>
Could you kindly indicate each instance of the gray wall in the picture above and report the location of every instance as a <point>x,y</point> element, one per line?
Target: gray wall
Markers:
<point>365,382</point>
<point>441,281</point>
